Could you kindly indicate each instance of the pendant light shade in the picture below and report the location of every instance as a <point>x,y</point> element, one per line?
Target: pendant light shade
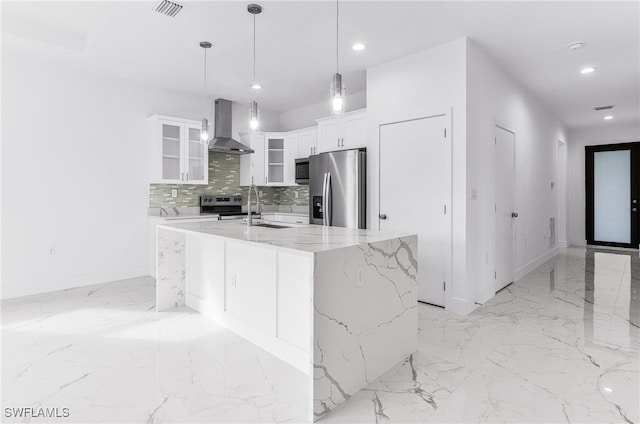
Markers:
<point>337,87</point>
<point>204,130</point>
<point>337,94</point>
<point>254,115</point>
<point>254,121</point>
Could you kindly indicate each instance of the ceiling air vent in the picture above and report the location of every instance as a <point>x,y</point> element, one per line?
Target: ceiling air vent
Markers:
<point>168,8</point>
<point>604,107</point>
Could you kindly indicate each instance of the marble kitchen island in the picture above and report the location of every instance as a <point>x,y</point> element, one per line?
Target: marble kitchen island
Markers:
<point>338,304</point>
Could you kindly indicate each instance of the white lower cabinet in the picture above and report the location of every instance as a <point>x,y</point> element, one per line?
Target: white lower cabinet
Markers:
<point>293,219</point>
<point>296,219</point>
<point>262,294</point>
<point>251,285</point>
<point>205,268</point>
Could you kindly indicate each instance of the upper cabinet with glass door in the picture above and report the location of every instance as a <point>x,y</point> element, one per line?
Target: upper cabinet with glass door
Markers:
<point>178,156</point>
<point>275,159</point>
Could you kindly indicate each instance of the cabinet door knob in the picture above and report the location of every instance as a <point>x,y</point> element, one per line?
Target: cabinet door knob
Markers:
<point>383,216</point>
<point>514,214</point>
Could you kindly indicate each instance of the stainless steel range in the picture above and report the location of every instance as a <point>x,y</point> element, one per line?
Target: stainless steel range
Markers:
<point>225,206</point>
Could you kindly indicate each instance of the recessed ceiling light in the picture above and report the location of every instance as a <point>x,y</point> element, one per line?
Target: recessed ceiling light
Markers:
<point>358,46</point>
<point>608,117</point>
<point>587,70</point>
<point>575,46</point>
<point>256,86</point>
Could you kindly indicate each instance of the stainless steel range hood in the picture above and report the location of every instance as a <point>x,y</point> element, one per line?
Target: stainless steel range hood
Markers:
<point>222,141</point>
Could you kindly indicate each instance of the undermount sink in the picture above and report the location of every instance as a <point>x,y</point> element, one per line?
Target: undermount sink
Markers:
<point>264,224</point>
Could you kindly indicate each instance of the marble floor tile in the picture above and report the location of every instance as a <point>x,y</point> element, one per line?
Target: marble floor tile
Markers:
<point>559,345</point>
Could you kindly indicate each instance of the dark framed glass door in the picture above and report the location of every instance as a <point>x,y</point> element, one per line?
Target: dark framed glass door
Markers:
<point>613,195</point>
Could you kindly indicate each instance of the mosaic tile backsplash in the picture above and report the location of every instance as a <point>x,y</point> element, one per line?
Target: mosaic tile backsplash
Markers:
<point>224,178</point>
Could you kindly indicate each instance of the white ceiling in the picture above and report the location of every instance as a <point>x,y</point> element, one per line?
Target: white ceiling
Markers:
<point>296,45</point>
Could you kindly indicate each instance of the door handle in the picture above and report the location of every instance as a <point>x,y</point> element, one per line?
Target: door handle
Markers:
<point>328,210</point>
<point>383,216</point>
<point>324,200</point>
<point>514,214</point>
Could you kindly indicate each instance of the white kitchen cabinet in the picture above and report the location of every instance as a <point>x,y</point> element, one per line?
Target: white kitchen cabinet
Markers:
<point>291,148</point>
<point>275,155</point>
<point>251,285</point>
<point>205,274</point>
<point>290,218</point>
<point>252,165</point>
<point>296,219</point>
<point>178,156</point>
<point>348,131</point>
<point>307,142</point>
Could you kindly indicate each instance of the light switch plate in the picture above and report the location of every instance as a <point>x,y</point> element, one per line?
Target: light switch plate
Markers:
<point>174,192</point>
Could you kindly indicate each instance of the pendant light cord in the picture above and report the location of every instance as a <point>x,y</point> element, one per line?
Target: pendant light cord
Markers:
<point>254,58</point>
<point>337,36</point>
<point>204,84</point>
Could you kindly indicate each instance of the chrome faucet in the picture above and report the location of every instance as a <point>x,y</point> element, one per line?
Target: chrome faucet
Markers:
<point>249,217</point>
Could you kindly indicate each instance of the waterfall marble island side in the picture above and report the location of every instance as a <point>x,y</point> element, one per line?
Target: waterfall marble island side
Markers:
<point>339,304</point>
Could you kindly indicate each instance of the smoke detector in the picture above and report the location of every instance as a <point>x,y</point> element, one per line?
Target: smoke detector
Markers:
<point>168,8</point>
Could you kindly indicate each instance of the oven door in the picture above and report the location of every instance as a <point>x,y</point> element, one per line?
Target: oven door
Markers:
<point>302,171</point>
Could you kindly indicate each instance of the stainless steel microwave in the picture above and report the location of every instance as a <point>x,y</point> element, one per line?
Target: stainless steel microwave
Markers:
<point>302,171</point>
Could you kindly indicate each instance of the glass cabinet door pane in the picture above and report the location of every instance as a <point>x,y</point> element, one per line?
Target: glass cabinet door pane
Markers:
<point>276,173</point>
<point>612,196</point>
<point>275,160</point>
<point>171,152</point>
<point>197,155</point>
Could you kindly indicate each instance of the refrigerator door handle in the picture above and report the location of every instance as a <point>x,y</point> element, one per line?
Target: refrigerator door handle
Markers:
<point>329,208</point>
<point>324,200</point>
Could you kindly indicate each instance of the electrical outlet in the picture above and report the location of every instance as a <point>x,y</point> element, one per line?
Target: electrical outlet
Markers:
<point>360,277</point>
<point>295,194</point>
<point>174,192</point>
<point>260,193</point>
<point>52,251</point>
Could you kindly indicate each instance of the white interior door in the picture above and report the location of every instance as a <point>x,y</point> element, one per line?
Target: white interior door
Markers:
<point>415,195</point>
<point>504,208</point>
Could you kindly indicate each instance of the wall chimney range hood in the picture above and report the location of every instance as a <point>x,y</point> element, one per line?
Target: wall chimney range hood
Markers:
<point>222,141</point>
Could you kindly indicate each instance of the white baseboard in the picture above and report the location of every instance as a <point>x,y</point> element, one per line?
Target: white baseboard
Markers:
<point>19,289</point>
<point>521,272</point>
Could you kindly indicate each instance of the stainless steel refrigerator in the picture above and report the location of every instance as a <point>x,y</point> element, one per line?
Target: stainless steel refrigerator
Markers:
<point>337,188</point>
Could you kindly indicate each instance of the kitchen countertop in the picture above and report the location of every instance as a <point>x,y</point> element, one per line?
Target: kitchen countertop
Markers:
<point>306,238</point>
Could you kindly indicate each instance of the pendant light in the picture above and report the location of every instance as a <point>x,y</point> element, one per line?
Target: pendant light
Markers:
<point>337,88</point>
<point>254,117</point>
<point>204,131</point>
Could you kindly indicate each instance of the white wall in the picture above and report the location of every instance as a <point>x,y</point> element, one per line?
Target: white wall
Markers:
<point>611,133</point>
<point>495,98</point>
<point>306,116</point>
<point>423,84</point>
<point>75,175</point>
<point>459,79</point>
